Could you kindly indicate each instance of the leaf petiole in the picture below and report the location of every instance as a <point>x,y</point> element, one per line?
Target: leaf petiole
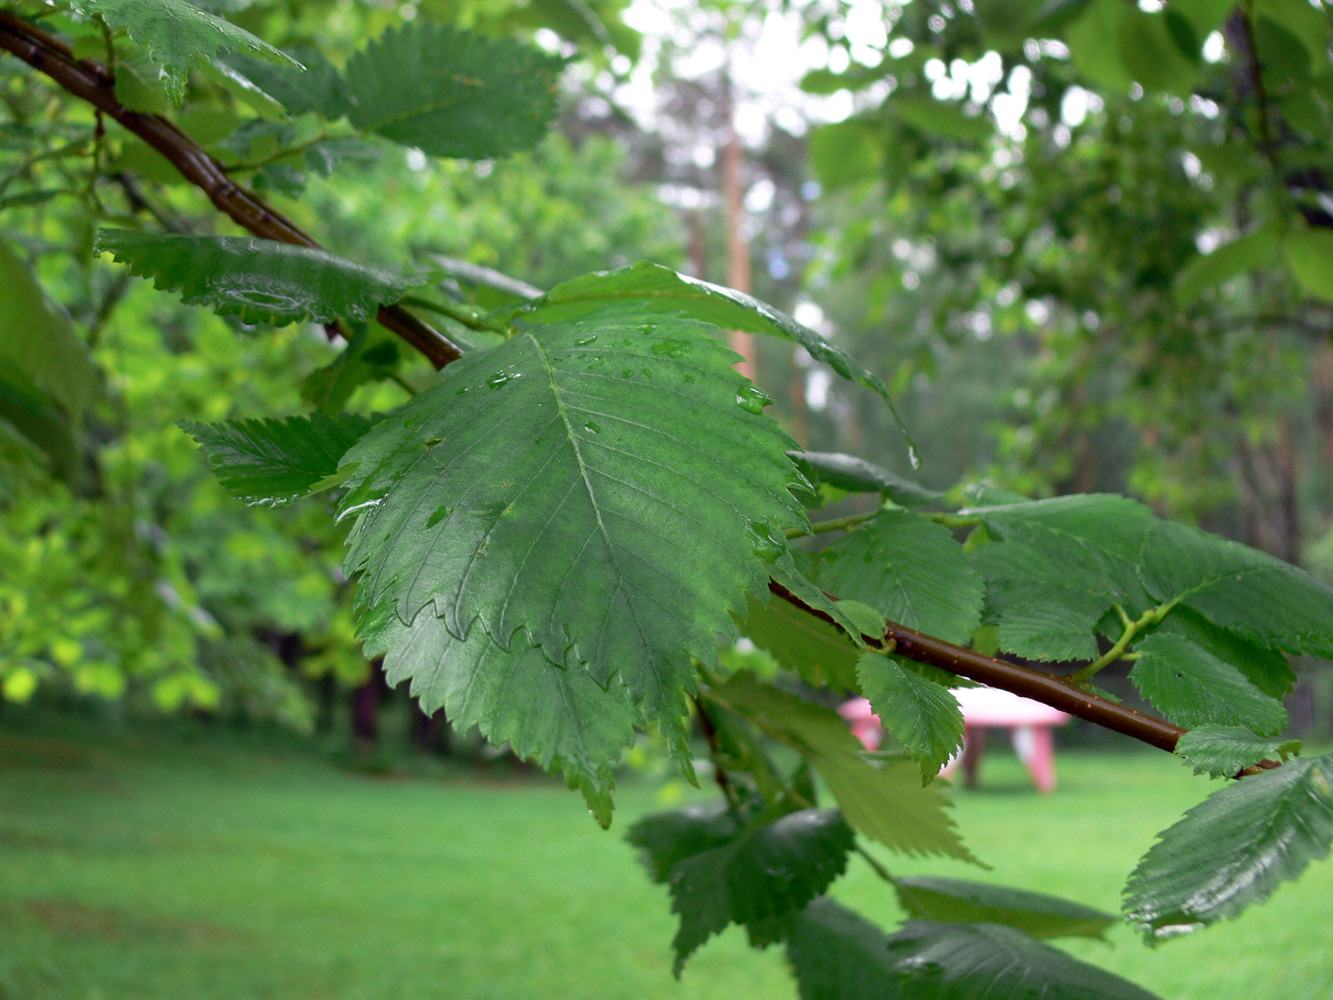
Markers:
<point>1132,628</point>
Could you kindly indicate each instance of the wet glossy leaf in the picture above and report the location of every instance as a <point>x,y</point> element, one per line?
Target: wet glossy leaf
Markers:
<point>598,484</point>
<point>177,33</point>
<point>1223,751</point>
<point>271,463</point>
<point>262,281</point>
<point>668,290</point>
<point>1233,849</point>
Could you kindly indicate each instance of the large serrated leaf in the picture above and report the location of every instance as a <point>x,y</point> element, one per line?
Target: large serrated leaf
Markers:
<point>758,875</point>
<point>271,463</point>
<point>1223,751</point>
<point>557,716</point>
<point>452,92</point>
<point>921,715</point>
<point>725,307</point>
<point>177,33</point>
<point>837,955</point>
<point>1239,588</point>
<point>37,341</point>
<point>1191,687</point>
<point>956,901</point>
<point>604,485</point>
<point>262,281</point>
<point>1233,849</point>
<point>908,568</point>
<point>882,799</point>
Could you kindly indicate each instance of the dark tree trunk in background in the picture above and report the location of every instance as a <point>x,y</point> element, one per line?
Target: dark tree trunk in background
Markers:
<point>326,703</point>
<point>366,706</point>
<point>430,733</point>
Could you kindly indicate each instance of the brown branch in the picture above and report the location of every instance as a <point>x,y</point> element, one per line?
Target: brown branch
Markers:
<point>1050,689</point>
<point>1038,685</point>
<point>91,82</point>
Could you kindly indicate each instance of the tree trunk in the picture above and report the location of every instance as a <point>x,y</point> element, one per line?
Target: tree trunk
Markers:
<point>365,709</point>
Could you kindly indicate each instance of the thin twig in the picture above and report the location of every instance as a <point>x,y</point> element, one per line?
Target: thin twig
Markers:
<point>90,81</point>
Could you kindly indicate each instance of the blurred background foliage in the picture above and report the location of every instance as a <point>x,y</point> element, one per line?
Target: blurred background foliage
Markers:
<point>1089,243</point>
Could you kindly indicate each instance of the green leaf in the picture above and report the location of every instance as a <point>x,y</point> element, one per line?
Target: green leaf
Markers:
<point>759,875</point>
<point>321,88</point>
<point>668,290</point>
<point>177,33</point>
<point>1224,751</point>
<point>1152,53</point>
<point>1310,255</point>
<point>941,118</point>
<point>847,152</point>
<point>883,799</point>
<point>557,716</point>
<point>372,353</point>
<point>1055,627</point>
<point>1265,668</point>
<point>1242,255</point>
<point>1307,23</point>
<point>262,281</point>
<point>1258,597</point>
<point>1233,849</point>
<point>37,341</point>
<point>822,654</point>
<point>271,463</point>
<point>837,955</point>
<point>1191,687</point>
<point>908,568</point>
<point>452,92</point>
<point>920,714</point>
<point>955,901</point>
<point>1097,537</point>
<point>1094,44</point>
<point>478,274</point>
<point>856,475</point>
<point>940,961</point>
<point>608,485</point>
<point>1057,568</point>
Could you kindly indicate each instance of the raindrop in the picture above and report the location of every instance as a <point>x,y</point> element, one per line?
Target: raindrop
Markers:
<point>592,428</point>
<point>752,399</point>
<point>438,516</point>
<point>670,348</point>
<point>585,341</point>
<point>766,542</point>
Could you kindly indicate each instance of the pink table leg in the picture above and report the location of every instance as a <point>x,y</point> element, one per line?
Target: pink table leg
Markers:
<point>1040,760</point>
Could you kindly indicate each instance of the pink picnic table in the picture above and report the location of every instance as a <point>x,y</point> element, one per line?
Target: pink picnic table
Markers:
<point>1029,723</point>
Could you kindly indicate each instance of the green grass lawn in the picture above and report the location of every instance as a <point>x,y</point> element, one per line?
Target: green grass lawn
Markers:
<point>207,867</point>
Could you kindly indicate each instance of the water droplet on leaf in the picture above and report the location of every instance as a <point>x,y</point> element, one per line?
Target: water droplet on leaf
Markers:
<point>752,399</point>
<point>592,428</point>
